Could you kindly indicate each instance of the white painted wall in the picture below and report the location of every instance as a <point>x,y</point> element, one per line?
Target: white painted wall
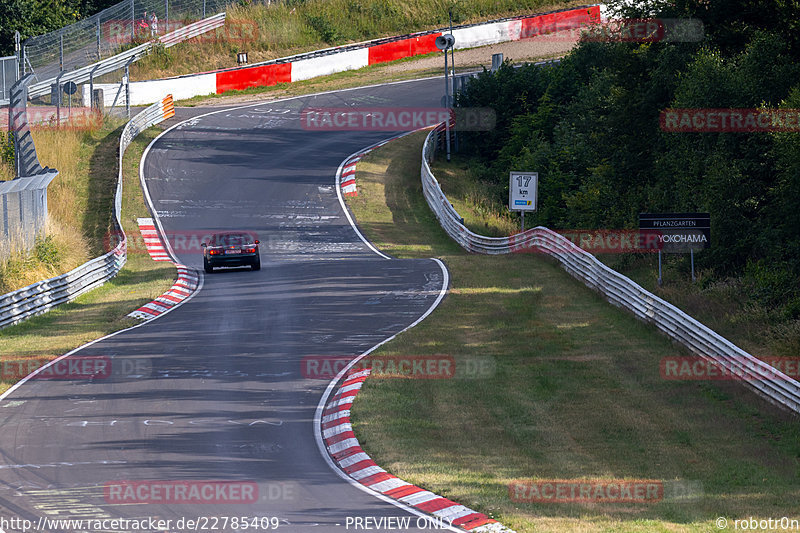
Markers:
<point>320,66</point>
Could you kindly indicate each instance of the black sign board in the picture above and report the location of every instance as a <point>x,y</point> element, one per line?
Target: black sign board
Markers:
<point>676,232</point>
<point>70,88</point>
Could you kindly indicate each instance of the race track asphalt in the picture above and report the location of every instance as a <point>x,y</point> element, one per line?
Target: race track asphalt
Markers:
<point>216,390</point>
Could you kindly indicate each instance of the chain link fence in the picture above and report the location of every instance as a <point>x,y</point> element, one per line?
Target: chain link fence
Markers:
<point>109,32</point>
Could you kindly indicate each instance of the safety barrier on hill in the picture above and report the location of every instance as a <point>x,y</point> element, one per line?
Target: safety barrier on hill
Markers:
<point>44,295</point>
<point>355,56</point>
<point>619,290</point>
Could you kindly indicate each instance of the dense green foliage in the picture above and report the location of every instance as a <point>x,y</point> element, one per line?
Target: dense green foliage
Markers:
<point>35,17</point>
<point>590,127</point>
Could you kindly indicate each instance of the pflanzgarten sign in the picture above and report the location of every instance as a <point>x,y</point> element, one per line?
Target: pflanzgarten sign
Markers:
<point>522,191</point>
<point>678,232</point>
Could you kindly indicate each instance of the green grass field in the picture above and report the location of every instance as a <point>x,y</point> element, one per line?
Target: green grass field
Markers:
<point>576,392</point>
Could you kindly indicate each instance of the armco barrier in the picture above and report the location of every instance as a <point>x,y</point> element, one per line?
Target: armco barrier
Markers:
<point>619,290</point>
<point>44,295</point>
<point>355,56</point>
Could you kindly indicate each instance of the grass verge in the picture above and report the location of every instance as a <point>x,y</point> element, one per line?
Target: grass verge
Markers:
<point>576,392</point>
<point>103,310</point>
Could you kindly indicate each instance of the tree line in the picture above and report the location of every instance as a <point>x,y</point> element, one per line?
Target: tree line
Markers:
<point>590,126</point>
<point>36,17</point>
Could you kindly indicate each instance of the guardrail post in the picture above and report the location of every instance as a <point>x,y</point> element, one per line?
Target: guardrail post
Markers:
<point>497,60</point>
<point>128,88</point>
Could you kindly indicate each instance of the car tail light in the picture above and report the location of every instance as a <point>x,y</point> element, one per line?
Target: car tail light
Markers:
<point>251,250</point>
<point>214,252</point>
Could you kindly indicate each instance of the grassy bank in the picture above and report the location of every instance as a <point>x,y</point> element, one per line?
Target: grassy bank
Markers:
<point>723,305</point>
<point>79,203</point>
<point>576,392</point>
<point>104,309</point>
<point>282,29</point>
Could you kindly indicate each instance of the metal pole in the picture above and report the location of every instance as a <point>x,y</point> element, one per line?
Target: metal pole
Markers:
<point>133,23</point>
<point>17,51</point>
<point>453,49</point>
<point>691,254</point>
<point>98,39</point>
<point>659,268</point>
<point>204,8</point>
<point>447,105</point>
<point>128,90</point>
<point>523,221</point>
<point>61,51</point>
<point>453,72</point>
<point>166,16</point>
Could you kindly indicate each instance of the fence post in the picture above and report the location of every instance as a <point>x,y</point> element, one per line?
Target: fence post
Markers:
<point>17,50</point>
<point>133,23</point>
<point>166,16</point>
<point>98,39</point>
<point>61,50</point>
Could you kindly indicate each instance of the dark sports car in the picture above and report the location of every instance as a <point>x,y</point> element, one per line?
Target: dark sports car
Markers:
<point>231,249</point>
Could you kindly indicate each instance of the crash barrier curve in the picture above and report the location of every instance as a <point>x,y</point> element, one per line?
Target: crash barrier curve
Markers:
<point>89,72</point>
<point>355,56</point>
<point>44,295</point>
<point>764,379</point>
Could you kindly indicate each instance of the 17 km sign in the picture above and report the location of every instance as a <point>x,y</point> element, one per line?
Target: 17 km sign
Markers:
<point>522,191</point>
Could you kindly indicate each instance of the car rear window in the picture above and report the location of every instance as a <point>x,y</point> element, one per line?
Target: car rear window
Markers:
<point>232,239</point>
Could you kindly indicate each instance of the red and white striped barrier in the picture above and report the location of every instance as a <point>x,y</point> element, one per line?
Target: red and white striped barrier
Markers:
<point>346,452</point>
<point>303,67</point>
<point>183,287</point>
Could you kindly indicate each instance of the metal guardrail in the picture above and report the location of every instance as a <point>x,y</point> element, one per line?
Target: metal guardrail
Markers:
<point>89,72</point>
<point>619,290</point>
<point>44,295</point>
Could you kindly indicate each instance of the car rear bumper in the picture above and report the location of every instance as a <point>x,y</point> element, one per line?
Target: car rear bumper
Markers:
<point>232,260</point>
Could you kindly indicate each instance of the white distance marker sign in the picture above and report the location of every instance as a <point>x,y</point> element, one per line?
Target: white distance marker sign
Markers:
<point>522,191</point>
